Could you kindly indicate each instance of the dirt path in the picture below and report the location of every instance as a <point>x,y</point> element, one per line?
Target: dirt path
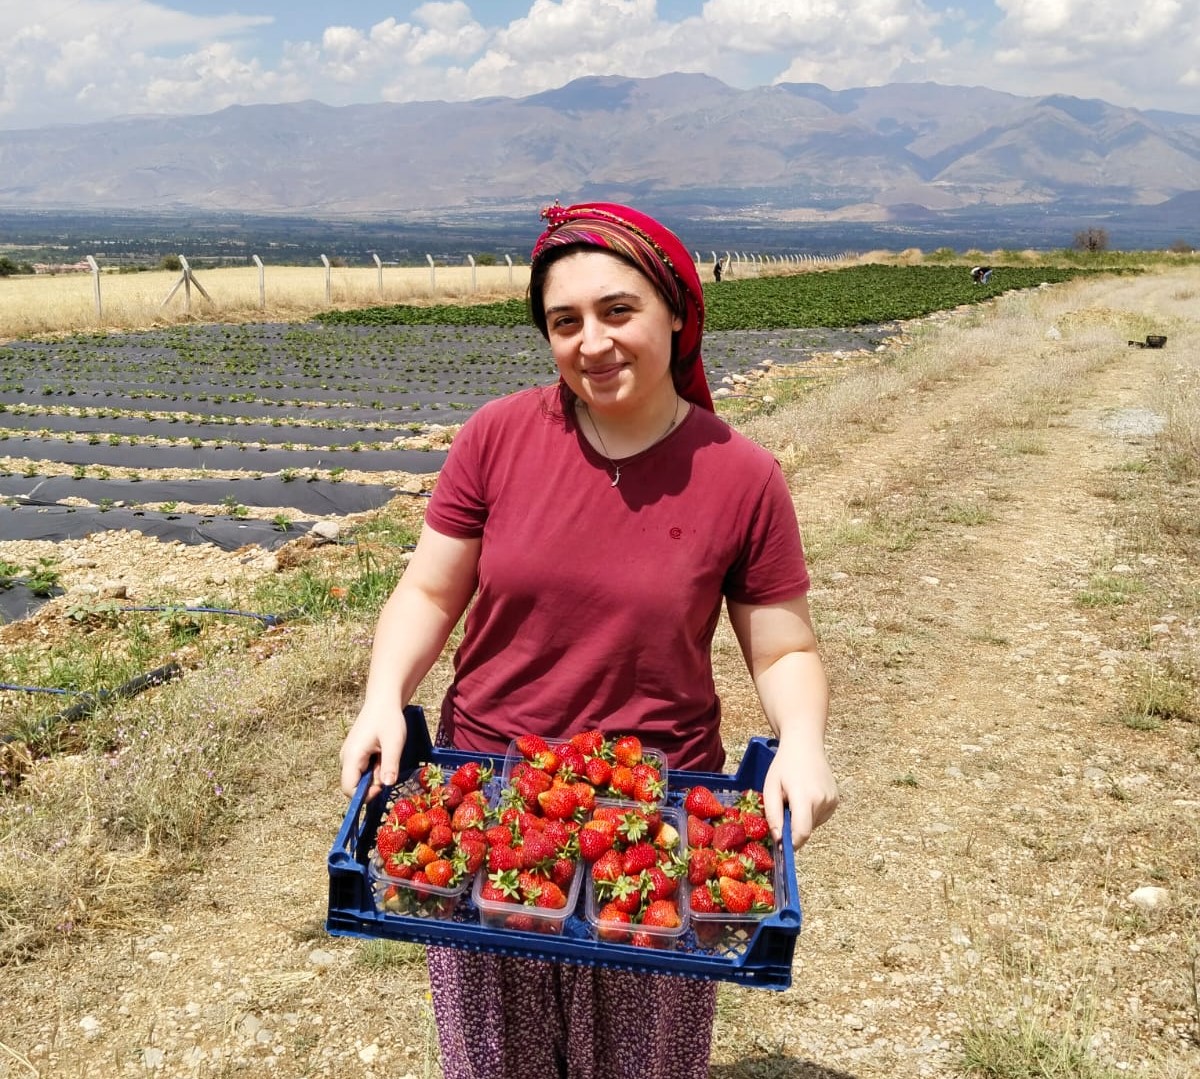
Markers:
<point>996,815</point>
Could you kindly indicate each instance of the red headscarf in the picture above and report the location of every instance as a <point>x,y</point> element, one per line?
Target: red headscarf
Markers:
<point>659,254</point>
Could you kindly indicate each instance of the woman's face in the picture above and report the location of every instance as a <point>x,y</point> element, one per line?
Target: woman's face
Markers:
<point>610,333</point>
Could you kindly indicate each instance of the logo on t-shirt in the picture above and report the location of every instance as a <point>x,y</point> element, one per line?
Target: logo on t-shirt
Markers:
<point>676,533</point>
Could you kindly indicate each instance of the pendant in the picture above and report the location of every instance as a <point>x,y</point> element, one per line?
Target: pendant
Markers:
<point>616,478</point>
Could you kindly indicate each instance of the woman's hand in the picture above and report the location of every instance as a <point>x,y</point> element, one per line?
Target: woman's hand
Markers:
<point>379,731</point>
<point>801,779</point>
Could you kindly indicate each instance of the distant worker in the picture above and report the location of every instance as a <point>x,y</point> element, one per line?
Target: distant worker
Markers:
<point>717,270</point>
<point>981,274</point>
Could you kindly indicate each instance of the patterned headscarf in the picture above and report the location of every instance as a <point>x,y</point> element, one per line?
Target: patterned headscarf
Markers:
<point>660,255</point>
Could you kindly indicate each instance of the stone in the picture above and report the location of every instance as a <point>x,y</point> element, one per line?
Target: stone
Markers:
<point>320,958</point>
<point>90,1026</point>
<point>1149,898</point>
<point>326,530</point>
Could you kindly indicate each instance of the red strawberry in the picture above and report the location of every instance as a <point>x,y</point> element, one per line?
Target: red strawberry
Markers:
<point>500,859</point>
<point>729,835</point>
<point>701,802</point>
<point>625,893</point>
<point>736,896</point>
<point>607,867</point>
<point>430,776</point>
<point>558,832</point>
<point>732,866</point>
<point>598,771</point>
<point>638,857</point>
<point>558,803</point>
<point>440,872</point>
<point>761,858</point>
<point>662,914</point>
<point>469,815</point>
<point>702,901</point>
<point>699,831</point>
<point>499,835</point>
<point>438,814</point>
<point>628,750</point>
<point>763,896</point>
<point>702,865</point>
<point>585,794</point>
<point>402,810</point>
<point>622,780</point>
<point>756,826</point>
<point>418,826</point>
<point>562,872</point>
<point>440,836</point>
<point>390,839</point>
<point>594,839</point>
<point>531,745</point>
<point>647,783</point>
<point>474,852</point>
<point>550,895</point>
<point>423,854</point>
<point>588,742</point>
<point>610,915</point>
<point>659,884</point>
<point>537,851</point>
<point>570,761</point>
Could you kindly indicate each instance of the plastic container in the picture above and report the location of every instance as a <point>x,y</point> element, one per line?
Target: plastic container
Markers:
<point>508,917</point>
<point>763,959</point>
<point>656,937</point>
<point>723,933</point>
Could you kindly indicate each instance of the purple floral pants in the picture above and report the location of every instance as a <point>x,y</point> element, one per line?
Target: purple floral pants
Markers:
<point>504,1018</point>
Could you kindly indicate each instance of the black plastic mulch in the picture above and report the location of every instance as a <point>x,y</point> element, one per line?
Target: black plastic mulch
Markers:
<point>319,498</point>
<point>17,602</point>
<point>58,523</point>
<point>226,458</point>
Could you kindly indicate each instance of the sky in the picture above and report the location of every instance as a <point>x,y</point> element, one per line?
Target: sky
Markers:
<point>74,61</point>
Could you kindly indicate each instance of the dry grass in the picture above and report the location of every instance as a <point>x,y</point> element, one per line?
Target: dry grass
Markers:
<point>65,303</point>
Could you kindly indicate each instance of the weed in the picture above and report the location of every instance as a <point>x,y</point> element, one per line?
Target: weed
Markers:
<point>1161,693</point>
<point>1027,1050</point>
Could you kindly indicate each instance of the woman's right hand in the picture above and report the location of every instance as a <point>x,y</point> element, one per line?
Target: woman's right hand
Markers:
<point>378,732</point>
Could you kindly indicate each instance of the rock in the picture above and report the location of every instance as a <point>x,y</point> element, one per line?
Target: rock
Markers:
<point>1053,334</point>
<point>721,392</point>
<point>1149,898</point>
<point>368,1053</point>
<point>114,590</point>
<point>328,531</point>
<point>319,958</point>
<point>932,581</point>
<point>90,1026</point>
<point>153,1058</point>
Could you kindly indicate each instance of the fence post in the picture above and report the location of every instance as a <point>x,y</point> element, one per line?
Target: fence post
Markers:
<point>432,274</point>
<point>508,259</point>
<point>262,284</point>
<point>471,260</point>
<point>379,268</point>
<point>96,285</point>
<point>328,286</point>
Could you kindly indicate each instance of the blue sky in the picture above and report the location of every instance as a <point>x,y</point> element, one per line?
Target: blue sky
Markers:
<point>72,61</point>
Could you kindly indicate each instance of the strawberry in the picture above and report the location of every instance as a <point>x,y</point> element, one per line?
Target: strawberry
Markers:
<point>756,825</point>
<point>647,783</point>
<point>471,776</point>
<point>702,901</point>
<point>662,914</point>
<point>702,865</point>
<point>402,810</point>
<point>622,780</point>
<point>499,835</point>
<point>699,831</point>
<point>609,916</point>
<point>637,858</point>
<point>607,867</point>
<point>423,854</point>
<point>558,832</point>
<point>470,815</point>
<point>562,872</point>
<point>659,885</point>
<point>440,872</point>
<point>667,837</point>
<point>701,802</point>
<point>500,859</point>
<point>390,839</point>
<point>537,851</point>
<point>440,836</point>
<point>760,858</point>
<point>627,750</point>
<point>763,896</point>
<point>430,776</point>
<point>418,826</point>
<point>531,745</point>
<point>594,839</point>
<point>625,893</point>
<point>589,742</point>
<point>438,814</point>
<point>732,866</point>
<point>585,794</point>
<point>558,803</point>
<point>729,835</point>
<point>474,852</point>
<point>736,896</point>
<point>550,895</point>
<point>597,771</point>
<point>570,761</point>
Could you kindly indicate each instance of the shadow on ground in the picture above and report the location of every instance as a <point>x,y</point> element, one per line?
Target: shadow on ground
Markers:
<point>776,1066</point>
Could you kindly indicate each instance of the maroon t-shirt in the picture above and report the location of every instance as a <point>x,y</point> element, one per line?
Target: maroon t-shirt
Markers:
<point>596,605</point>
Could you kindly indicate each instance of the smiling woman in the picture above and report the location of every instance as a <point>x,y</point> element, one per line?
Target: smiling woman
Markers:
<point>598,526</point>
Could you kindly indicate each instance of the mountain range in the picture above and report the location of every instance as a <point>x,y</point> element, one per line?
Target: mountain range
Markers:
<point>791,152</point>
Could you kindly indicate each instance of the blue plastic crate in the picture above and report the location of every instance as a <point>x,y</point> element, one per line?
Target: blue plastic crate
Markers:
<point>762,957</point>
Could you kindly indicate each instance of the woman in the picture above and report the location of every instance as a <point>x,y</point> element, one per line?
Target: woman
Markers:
<point>599,524</point>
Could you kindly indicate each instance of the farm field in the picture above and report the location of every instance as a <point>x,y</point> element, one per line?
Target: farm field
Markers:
<point>999,503</point>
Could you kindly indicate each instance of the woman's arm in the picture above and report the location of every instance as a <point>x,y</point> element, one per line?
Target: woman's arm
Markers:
<point>780,648</point>
<point>413,628</point>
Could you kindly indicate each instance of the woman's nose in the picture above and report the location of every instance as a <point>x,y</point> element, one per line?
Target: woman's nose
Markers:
<point>595,337</point>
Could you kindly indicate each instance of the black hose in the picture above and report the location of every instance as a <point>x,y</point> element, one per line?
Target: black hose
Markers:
<point>87,703</point>
<point>265,619</point>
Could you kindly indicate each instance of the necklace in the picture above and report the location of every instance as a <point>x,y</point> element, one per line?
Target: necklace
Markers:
<point>604,448</point>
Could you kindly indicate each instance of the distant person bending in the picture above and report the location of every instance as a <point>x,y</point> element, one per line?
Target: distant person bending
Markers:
<point>599,525</point>
<point>717,270</point>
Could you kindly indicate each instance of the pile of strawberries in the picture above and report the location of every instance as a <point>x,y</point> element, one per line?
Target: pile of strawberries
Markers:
<point>636,865</point>
<point>432,837</point>
<point>731,864</point>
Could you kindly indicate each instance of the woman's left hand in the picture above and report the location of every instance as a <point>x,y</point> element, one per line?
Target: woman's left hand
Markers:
<point>800,778</point>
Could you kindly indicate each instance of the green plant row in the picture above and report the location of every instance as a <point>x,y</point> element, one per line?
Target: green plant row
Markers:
<point>855,296</point>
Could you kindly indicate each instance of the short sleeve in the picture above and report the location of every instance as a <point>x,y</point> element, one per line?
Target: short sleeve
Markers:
<point>458,506</point>
<point>770,567</point>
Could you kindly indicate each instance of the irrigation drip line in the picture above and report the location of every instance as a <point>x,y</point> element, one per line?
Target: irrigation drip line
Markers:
<point>267,620</point>
<point>35,689</point>
<point>87,703</point>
